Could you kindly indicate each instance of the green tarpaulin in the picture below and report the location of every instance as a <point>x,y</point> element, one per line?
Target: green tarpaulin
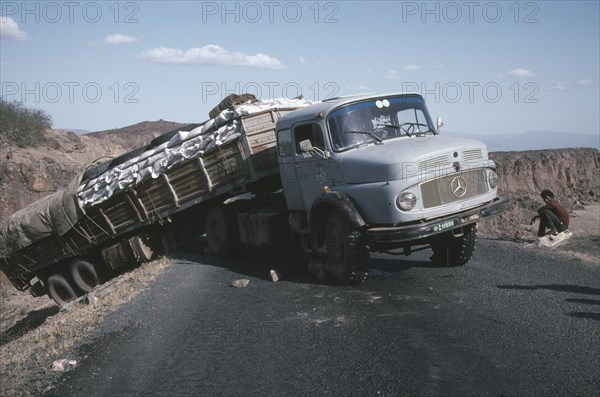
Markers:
<point>54,214</point>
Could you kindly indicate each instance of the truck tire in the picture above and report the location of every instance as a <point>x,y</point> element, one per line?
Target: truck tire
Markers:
<point>221,231</point>
<point>84,275</point>
<point>142,251</point>
<point>452,251</point>
<point>347,256</point>
<point>60,290</point>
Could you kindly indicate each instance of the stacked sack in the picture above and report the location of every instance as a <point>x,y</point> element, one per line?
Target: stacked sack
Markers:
<point>182,146</point>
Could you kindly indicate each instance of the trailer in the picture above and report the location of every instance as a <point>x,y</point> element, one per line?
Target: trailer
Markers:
<point>118,213</point>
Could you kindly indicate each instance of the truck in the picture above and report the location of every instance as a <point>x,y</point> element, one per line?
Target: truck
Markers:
<point>340,178</point>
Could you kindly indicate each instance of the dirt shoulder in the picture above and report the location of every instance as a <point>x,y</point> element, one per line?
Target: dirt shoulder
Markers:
<point>34,332</point>
<point>585,243</point>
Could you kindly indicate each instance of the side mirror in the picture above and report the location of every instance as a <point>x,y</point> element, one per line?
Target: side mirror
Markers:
<point>306,146</point>
<point>308,149</point>
<point>440,124</point>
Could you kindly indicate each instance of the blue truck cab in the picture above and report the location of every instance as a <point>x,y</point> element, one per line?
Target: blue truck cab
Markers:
<point>372,173</point>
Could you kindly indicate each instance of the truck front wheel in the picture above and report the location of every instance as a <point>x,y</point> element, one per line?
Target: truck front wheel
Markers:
<point>60,290</point>
<point>347,256</point>
<point>451,251</point>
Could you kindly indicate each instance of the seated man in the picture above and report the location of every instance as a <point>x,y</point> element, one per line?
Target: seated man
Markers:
<point>553,215</point>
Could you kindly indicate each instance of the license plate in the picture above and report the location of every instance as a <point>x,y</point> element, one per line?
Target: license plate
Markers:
<point>443,226</point>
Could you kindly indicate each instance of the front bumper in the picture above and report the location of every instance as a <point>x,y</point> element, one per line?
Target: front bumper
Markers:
<point>419,231</point>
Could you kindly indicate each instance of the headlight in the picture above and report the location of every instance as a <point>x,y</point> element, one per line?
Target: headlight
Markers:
<point>492,179</point>
<point>406,201</point>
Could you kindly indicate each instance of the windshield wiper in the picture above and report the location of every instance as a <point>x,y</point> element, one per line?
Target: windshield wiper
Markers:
<point>399,127</point>
<point>372,135</point>
<point>411,126</point>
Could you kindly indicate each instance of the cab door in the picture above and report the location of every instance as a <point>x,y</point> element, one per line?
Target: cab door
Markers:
<point>288,170</point>
<point>304,173</point>
<point>311,165</point>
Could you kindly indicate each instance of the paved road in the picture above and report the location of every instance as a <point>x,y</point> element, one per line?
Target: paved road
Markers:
<point>513,322</point>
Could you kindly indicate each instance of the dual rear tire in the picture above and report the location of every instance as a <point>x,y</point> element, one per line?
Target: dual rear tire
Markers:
<point>84,275</point>
<point>64,288</point>
<point>221,230</point>
<point>60,290</point>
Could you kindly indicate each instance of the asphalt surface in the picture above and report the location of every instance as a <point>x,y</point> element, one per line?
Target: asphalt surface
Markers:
<point>513,322</point>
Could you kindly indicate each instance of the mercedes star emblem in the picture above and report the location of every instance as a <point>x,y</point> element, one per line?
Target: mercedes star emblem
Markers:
<point>458,186</point>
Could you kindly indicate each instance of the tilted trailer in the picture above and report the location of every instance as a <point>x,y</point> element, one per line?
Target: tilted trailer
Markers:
<point>117,214</point>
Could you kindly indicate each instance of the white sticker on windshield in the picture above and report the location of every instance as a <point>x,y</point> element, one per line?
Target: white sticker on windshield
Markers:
<point>379,123</point>
<point>379,104</point>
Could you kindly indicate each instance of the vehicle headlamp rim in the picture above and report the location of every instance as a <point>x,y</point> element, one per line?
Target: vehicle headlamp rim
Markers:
<point>406,201</point>
<point>492,178</point>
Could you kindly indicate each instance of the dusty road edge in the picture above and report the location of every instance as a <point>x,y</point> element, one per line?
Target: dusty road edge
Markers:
<point>32,340</point>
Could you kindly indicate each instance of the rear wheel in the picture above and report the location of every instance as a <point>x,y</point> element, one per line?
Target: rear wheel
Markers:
<point>347,256</point>
<point>84,275</point>
<point>60,290</point>
<point>142,251</point>
<point>451,251</point>
<point>221,231</point>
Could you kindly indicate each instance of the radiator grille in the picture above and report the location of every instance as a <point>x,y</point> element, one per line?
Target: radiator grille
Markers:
<point>455,187</point>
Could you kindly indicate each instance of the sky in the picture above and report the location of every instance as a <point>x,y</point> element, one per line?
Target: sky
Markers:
<point>491,67</point>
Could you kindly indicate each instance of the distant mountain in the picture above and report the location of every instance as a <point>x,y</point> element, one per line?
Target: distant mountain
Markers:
<point>533,140</point>
<point>140,134</point>
<point>137,135</point>
<point>74,130</point>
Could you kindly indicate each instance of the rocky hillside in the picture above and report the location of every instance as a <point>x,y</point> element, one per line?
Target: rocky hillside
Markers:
<point>31,173</point>
<point>28,174</point>
<point>572,174</point>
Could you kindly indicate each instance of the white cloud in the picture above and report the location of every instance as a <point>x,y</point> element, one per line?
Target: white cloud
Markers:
<point>586,82</point>
<point>119,39</point>
<point>391,75</point>
<point>9,30</point>
<point>558,86</point>
<point>303,61</point>
<point>411,67</point>
<point>439,66</point>
<point>210,55</point>
<point>520,72</point>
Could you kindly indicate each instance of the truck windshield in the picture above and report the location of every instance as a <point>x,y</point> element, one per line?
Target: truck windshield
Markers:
<point>378,120</point>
